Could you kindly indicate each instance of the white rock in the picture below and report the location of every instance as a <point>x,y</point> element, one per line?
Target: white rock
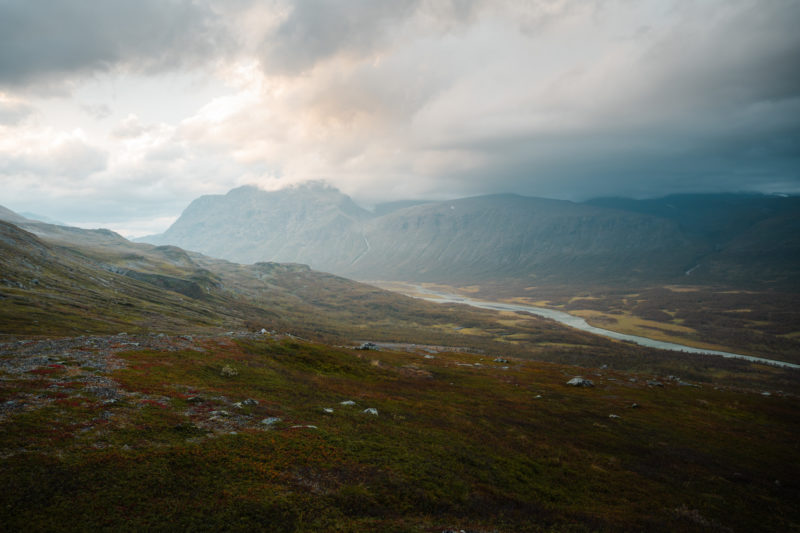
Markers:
<point>580,382</point>
<point>327,410</point>
<point>370,411</point>
<point>347,402</point>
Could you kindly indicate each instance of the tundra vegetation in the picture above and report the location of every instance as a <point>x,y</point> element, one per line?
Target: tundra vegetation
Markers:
<point>147,388</point>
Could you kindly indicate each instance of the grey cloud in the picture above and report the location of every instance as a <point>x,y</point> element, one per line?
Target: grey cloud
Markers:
<point>49,41</point>
<point>13,112</point>
<point>130,127</point>
<point>72,160</point>
<point>316,30</point>
<point>98,111</point>
<point>747,53</point>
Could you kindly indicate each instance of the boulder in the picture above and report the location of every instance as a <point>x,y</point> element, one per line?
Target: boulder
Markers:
<point>580,382</point>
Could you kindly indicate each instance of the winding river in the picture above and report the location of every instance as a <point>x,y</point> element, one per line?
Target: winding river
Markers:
<point>581,324</point>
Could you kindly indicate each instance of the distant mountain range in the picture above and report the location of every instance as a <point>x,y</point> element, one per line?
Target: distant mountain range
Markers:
<point>726,238</point>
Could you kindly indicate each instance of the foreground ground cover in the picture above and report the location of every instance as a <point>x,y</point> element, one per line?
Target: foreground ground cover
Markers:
<point>249,432</point>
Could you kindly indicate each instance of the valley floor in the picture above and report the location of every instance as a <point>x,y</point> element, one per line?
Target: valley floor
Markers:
<point>760,324</point>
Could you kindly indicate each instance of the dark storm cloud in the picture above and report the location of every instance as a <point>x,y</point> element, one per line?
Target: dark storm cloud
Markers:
<point>711,105</point>
<point>48,41</point>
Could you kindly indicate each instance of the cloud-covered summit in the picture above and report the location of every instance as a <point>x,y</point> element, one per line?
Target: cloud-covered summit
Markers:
<point>389,100</point>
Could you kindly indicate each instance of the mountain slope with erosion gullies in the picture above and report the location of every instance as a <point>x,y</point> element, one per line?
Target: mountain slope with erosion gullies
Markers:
<point>742,240</point>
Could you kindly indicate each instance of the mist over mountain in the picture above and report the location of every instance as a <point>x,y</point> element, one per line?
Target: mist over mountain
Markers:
<point>726,238</point>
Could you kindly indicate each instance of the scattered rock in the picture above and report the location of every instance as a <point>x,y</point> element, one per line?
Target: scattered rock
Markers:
<point>580,382</point>
<point>500,360</point>
<point>195,399</point>
<point>428,356</point>
<point>347,402</point>
<point>228,371</point>
<point>537,397</point>
<point>306,426</point>
<point>327,410</point>
<point>272,420</point>
<point>370,411</point>
<point>654,383</point>
<point>766,393</point>
<point>263,331</point>
<point>634,405</point>
<point>250,402</point>
<point>219,413</point>
<point>614,416</point>
<point>368,346</point>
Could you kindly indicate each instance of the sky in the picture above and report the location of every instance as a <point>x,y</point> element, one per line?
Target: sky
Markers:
<point>118,114</point>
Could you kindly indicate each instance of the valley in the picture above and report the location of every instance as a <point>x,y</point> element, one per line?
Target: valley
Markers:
<point>144,384</point>
<point>576,320</point>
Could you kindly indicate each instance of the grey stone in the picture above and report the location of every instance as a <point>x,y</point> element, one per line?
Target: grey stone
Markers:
<point>580,382</point>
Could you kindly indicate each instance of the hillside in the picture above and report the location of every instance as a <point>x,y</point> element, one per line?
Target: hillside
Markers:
<point>267,433</point>
<point>146,387</point>
<point>508,236</point>
<point>741,240</point>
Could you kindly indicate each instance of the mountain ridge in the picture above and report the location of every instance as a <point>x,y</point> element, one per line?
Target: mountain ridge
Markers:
<point>500,236</point>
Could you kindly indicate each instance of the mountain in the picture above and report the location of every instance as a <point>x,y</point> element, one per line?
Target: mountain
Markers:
<point>10,216</point>
<point>504,236</point>
<point>739,239</point>
<point>468,239</point>
<point>311,224</point>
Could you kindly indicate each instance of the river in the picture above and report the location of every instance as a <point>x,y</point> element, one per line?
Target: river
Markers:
<point>581,324</point>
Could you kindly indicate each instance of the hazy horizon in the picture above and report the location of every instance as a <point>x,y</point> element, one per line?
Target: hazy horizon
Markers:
<point>118,115</point>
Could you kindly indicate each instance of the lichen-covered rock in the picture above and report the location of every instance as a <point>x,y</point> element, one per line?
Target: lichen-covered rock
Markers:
<point>228,371</point>
<point>580,382</point>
